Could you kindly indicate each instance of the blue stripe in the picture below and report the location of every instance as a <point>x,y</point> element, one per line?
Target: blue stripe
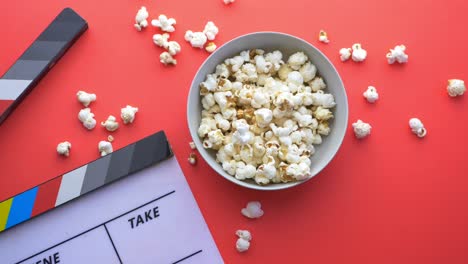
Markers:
<point>21,207</point>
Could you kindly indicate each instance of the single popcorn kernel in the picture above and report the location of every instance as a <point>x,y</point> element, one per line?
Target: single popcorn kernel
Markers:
<point>371,94</point>
<point>85,98</point>
<point>63,148</point>
<point>417,127</point>
<point>105,148</point>
<point>361,129</point>
<point>140,19</point>
<point>210,47</point>
<point>164,23</point>
<point>359,54</point>
<point>456,87</point>
<point>110,138</point>
<point>323,37</point>
<point>192,145</point>
<point>192,159</point>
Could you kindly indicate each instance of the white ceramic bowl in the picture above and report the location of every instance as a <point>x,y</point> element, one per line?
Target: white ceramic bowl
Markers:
<point>288,45</point>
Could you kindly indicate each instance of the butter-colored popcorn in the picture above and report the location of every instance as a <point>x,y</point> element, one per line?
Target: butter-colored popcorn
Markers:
<point>210,47</point>
<point>308,71</point>
<point>111,123</point>
<point>164,23</point>
<point>110,138</point>
<point>417,127</point>
<point>63,148</point>
<point>361,129</point>
<point>85,98</point>
<point>229,113</point>
<point>298,171</point>
<point>141,19</point>
<point>316,139</point>
<point>359,54</point>
<point>167,59</point>
<point>161,40</point>
<point>253,210</point>
<point>211,30</point>
<point>456,87</point>
<point>208,101</point>
<point>222,99</point>
<point>222,123</point>
<point>128,114</point>
<point>397,54</point>
<point>323,128</point>
<point>283,133</point>
<point>206,125</point>
<point>105,148</point>
<point>345,54</point>
<point>296,60</point>
<point>242,245</point>
<point>323,113</point>
<point>323,37</point>
<point>284,71</point>
<point>214,140</point>
<point>317,84</point>
<point>371,94</point>
<point>244,171</point>
<point>322,99</point>
<point>196,39</point>
<point>209,85</point>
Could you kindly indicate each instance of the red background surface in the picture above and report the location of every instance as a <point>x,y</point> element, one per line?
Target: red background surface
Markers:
<point>391,198</point>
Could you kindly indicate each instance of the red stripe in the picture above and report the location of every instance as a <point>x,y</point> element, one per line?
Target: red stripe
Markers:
<point>4,104</point>
<point>46,196</point>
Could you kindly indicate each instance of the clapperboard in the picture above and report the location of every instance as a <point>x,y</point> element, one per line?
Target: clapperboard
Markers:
<point>131,206</point>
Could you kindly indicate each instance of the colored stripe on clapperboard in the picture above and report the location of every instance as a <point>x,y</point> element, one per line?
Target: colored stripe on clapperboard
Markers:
<point>84,179</point>
<point>53,41</point>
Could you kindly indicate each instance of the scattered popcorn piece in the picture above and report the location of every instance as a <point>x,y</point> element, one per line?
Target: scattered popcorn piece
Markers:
<point>192,145</point>
<point>417,127</point>
<point>323,37</point>
<point>361,129</point>
<point>253,210</point>
<point>87,118</point>
<point>192,159</point>
<point>242,245</point>
<point>397,54</point>
<point>161,39</point>
<point>164,23</point>
<point>140,19</point>
<point>456,87</point>
<point>210,47</point>
<point>128,114</point>
<point>173,47</point>
<point>110,124</point>
<point>211,30</point>
<point>167,59</point>
<point>110,138</point>
<point>227,2</point>
<point>244,234</point>
<point>85,98</point>
<point>371,94</point>
<point>63,148</point>
<point>196,39</point>
<point>345,54</point>
<point>105,148</point>
<point>359,54</point>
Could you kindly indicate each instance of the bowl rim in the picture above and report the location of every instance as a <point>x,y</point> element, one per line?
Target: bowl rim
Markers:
<point>275,186</point>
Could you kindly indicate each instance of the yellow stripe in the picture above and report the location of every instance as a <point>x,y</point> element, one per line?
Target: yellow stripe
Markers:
<point>4,211</point>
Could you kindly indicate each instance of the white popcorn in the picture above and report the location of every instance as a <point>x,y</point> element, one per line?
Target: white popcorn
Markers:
<point>251,71</point>
<point>235,63</point>
<point>303,120</point>
<point>361,129</point>
<point>140,19</point>
<point>164,23</point>
<point>210,47</point>
<point>323,113</point>
<point>105,148</point>
<point>456,87</point>
<point>322,99</point>
<point>227,2</point>
<point>244,171</point>
<point>206,125</point>
<point>397,55</point>
<point>242,135</point>
<point>210,84</point>
<point>85,98</point>
<point>275,58</point>
<point>371,94</point>
<point>295,77</point>
<point>214,140</point>
<point>296,60</point>
<point>211,30</point>
<point>300,171</point>
<point>317,84</point>
<point>128,114</point>
<point>308,71</point>
<point>417,127</point>
<point>345,54</point>
<point>161,40</point>
<point>252,210</point>
<point>359,54</point>
<point>110,124</point>
<point>63,148</point>
<point>208,101</point>
<point>242,244</point>
<point>323,37</point>
<point>196,39</point>
<point>263,66</point>
<point>263,117</point>
<point>222,123</point>
<point>192,159</point>
<point>173,47</point>
<point>87,118</point>
<point>167,59</point>
<point>230,167</point>
<point>244,234</point>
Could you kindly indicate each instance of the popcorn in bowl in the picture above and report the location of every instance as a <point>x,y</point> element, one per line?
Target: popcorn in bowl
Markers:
<point>262,116</point>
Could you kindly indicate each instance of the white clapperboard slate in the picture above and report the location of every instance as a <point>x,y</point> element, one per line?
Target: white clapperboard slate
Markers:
<point>149,217</point>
